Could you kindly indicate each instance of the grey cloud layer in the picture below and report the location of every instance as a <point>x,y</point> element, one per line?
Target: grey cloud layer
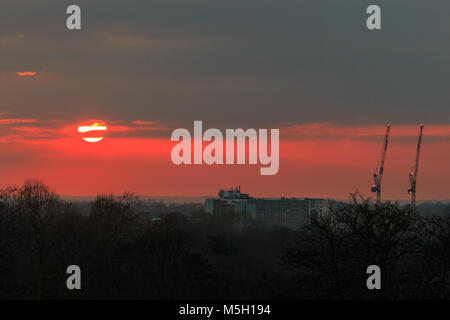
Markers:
<point>229,63</point>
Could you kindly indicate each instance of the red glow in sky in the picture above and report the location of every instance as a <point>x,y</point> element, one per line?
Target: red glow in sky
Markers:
<point>316,160</point>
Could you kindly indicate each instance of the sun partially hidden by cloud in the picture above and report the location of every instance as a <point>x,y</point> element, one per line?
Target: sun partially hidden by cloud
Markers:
<point>96,128</point>
<point>26,73</point>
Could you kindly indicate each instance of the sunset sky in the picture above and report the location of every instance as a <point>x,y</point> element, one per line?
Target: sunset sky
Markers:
<point>145,68</point>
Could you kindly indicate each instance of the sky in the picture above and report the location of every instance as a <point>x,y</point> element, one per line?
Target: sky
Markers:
<point>309,68</point>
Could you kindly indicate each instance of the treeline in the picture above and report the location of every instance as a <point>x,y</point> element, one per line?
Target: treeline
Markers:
<point>124,254</point>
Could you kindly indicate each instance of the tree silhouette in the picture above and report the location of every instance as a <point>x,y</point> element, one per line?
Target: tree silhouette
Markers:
<point>334,250</point>
<point>126,254</point>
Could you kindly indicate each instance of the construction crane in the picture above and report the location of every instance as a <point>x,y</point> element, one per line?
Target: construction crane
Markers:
<point>378,175</point>
<point>413,173</point>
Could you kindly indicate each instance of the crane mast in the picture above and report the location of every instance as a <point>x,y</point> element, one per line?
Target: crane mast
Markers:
<point>378,175</point>
<point>414,171</point>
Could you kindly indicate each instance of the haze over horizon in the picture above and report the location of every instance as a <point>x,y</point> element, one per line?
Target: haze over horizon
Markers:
<point>147,68</point>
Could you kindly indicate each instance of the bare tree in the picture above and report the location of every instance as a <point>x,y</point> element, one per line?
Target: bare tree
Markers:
<point>334,250</point>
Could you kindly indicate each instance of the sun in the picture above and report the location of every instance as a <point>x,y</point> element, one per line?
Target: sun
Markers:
<point>93,131</point>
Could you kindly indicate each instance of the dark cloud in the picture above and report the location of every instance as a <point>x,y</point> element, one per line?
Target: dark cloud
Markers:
<point>229,63</point>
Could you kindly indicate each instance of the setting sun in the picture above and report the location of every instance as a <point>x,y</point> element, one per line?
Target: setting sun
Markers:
<point>93,131</point>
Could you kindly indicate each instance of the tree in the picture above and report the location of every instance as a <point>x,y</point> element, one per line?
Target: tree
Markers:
<point>32,207</point>
<point>333,251</point>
